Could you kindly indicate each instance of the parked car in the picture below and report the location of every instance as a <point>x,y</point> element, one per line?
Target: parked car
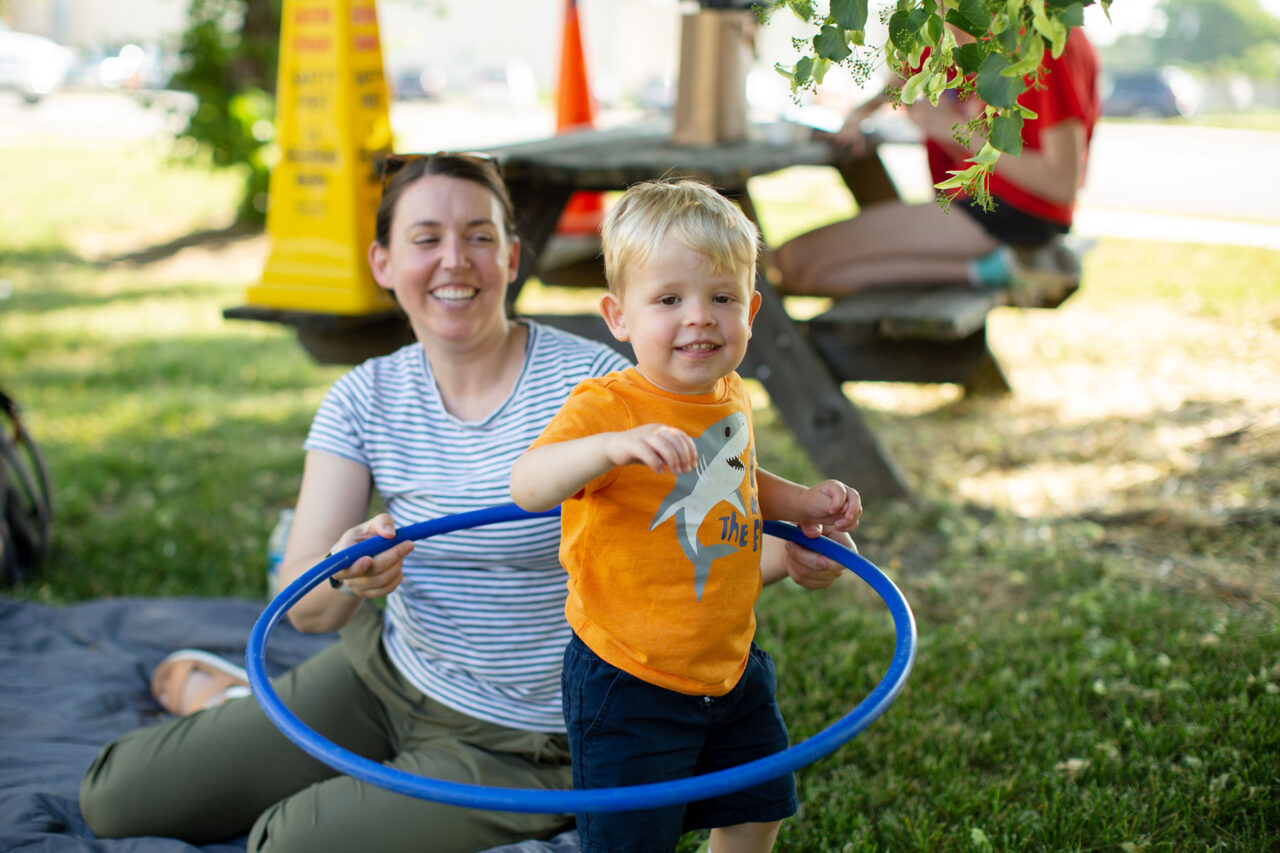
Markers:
<point>511,84</point>
<point>31,65</point>
<point>411,84</point>
<point>137,68</point>
<point>1160,93</point>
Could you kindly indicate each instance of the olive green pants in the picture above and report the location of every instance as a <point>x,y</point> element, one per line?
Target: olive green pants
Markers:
<point>228,770</point>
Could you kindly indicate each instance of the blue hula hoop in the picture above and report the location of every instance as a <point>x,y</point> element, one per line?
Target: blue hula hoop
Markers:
<point>645,796</point>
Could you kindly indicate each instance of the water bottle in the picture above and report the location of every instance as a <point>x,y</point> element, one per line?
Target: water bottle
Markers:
<point>275,550</point>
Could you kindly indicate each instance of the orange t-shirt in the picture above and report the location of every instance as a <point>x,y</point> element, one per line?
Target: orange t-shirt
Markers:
<point>664,570</point>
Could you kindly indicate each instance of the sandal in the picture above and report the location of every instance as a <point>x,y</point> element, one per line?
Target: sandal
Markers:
<point>190,680</point>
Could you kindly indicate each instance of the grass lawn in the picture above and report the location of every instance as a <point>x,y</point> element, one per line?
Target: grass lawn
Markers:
<point>1092,560</point>
<point>1256,118</point>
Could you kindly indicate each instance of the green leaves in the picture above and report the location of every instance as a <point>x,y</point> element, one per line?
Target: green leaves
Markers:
<point>1030,56</point>
<point>803,9</point>
<point>994,87</point>
<point>971,17</point>
<point>849,14</point>
<point>1072,14</point>
<point>1052,29</point>
<point>969,57</point>
<point>914,86</point>
<point>801,75</point>
<point>804,68</point>
<point>1006,133</point>
<point>832,44</point>
<point>230,53</point>
<point>1005,43</point>
<point>904,25</point>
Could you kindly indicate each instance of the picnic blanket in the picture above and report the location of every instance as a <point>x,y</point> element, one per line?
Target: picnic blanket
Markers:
<point>73,678</point>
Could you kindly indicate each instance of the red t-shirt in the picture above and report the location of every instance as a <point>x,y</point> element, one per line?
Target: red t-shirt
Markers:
<point>1068,89</point>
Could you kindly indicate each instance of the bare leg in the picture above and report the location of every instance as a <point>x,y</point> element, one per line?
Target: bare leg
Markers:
<point>744,838</point>
<point>886,244</point>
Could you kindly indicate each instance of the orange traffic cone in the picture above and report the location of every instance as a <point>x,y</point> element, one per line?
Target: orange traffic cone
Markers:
<point>575,111</point>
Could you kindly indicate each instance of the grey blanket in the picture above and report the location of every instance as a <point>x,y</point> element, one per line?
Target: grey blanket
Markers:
<point>73,678</point>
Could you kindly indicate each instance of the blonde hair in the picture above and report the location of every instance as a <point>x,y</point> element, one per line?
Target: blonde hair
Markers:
<point>653,212</point>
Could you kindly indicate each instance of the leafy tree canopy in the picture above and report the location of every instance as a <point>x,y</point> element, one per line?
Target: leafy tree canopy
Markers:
<point>229,54</point>
<point>1218,35</point>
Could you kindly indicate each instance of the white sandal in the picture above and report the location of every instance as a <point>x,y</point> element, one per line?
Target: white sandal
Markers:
<point>190,680</point>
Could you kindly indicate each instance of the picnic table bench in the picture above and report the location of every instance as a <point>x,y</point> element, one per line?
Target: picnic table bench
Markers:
<point>902,334</point>
<point>923,334</point>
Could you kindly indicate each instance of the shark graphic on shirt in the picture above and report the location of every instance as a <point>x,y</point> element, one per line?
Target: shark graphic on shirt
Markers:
<point>716,477</point>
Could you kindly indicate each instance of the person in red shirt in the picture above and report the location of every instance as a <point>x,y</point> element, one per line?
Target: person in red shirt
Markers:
<point>894,243</point>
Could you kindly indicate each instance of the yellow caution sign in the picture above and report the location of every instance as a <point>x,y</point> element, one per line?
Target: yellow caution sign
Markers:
<point>332,129</point>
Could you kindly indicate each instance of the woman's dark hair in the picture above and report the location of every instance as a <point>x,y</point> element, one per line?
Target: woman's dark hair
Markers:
<point>464,167</point>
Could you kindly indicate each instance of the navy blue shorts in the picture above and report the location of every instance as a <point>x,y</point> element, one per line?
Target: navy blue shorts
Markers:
<point>1006,224</point>
<point>625,731</point>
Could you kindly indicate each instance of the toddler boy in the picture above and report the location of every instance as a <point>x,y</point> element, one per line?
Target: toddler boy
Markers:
<point>661,529</point>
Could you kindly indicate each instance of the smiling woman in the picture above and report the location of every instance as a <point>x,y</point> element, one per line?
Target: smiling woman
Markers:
<point>434,427</point>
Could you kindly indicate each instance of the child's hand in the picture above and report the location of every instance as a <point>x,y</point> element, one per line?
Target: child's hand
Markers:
<point>829,506</point>
<point>662,448</point>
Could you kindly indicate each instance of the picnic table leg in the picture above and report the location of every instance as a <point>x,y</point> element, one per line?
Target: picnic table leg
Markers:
<point>866,176</point>
<point>810,400</point>
<point>987,379</point>
<point>809,397</point>
<point>538,209</point>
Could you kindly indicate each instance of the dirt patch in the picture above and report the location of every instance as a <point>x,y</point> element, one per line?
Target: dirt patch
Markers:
<point>1160,427</point>
<point>238,258</point>
<point>230,254</point>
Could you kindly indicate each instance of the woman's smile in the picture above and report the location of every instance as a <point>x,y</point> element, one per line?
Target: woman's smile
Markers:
<point>454,293</point>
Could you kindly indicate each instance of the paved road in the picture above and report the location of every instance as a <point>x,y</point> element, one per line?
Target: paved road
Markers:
<point>1152,181</point>
<point>1229,174</point>
<point>1164,182</point>
<point>1203,184</point>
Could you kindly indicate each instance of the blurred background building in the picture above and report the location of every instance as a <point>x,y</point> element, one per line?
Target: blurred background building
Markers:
<point>495,50</point>
<point>1165,57</point>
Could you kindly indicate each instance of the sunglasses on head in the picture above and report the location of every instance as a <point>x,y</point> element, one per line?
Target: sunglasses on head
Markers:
<point>395,162</point>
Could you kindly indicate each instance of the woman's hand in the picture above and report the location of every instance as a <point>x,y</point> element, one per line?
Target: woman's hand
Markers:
<point>376,576</point>
<point>333,498</point>
<point>851,136</point>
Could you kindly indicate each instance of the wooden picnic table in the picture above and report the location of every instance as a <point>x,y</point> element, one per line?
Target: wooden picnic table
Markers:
<point>902,334</point>
<point>543,174</point>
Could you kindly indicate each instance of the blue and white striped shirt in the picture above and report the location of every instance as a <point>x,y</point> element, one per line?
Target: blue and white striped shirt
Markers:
<point>478,621</point>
